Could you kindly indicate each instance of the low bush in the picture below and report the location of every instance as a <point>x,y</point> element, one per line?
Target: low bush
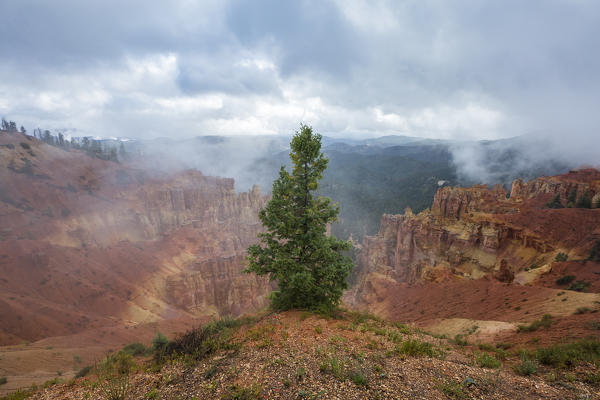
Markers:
<point>203,341</point>
<point>526,367</point>
<point>545,322</point>
<point>561,257</point>
<point>565,280</point>
<point>566,355</point>
<point>579,286</point>
<point>460,340</point>
<point>486,360</point>
<point>582,310</point>
<point>138,349</point>
<point>358,378</point>
<point>453,390</point>
<point>415,348</point>
<point>83,371</point>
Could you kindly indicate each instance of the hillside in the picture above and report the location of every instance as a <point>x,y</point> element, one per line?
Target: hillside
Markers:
<point>91,249</point>
<point>298,355</point>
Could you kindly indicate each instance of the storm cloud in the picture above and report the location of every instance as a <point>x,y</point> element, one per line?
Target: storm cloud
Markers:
<point>450,70</point>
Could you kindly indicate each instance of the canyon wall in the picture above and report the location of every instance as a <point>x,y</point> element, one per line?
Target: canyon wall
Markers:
<point>480,233</point>
<point>86,242</point>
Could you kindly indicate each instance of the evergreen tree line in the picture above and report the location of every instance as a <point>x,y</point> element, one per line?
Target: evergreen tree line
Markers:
<point>585,201</point>
<point>94,148</point>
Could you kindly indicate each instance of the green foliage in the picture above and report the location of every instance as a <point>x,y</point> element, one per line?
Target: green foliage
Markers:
<point>564,355</point>
<point>159,342</point>
<point>236,392</point>
<point>545,322</point>
<point>83,371</point>
<point>526,367</point>
<point>561,257</point>
<point>460,340</point>
<point>579,286</point>
<point>565,280</point>
<point>153,394</point>
<point>138,349</point>
<point>203,341</point>
<point>453,390</point>
<point>486,360</point>
<point>333,365</point>
<point>3,380</point>
<point>555,202</point>
<point>18,395</point>
<point>310,270</point>
<point>358,378</point>
<point>584,201</point>
<point>572,197</point>
<point>113,376</point>
<point>415,348</point>
<point>595,252</point>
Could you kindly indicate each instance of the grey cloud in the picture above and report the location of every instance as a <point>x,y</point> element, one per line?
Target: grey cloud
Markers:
<point>463,69</point>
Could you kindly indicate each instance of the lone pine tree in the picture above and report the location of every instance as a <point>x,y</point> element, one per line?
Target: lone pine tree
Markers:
<point>310,270</point>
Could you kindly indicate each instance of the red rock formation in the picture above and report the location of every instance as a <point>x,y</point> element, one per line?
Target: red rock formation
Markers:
<point>86,242</point>
<point>473,233</point>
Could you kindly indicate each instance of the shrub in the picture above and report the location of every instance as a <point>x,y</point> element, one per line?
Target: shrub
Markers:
<point>138,349</point>
<point>3,380</point>
<point>236,392</point>
<point>334,366</point>
<point>358,378</point>
<point>113,376</point>
<point>460,340</point>
<point>595,251</point>
<point>545,322</point>
<point>579,286</point>
<point>565,280</point>
<point>486,360</point>
<point>561,257</point>
<point>83,371</point>
<point>203,341</point>
<point>452,390</point>
<point>582,310</point>
<point>555,202</point>
<point>562,355</point>
<point>526,367</point>
<point>159,342</point>
<point>413,347</point>
<point>584,201</point>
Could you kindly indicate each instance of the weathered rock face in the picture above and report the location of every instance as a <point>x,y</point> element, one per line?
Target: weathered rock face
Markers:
<point>581,181</point>
<point>472,233</point>
<point>128,244</point>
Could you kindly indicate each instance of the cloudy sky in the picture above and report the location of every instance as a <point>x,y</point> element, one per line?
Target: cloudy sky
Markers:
<point>445,69</point>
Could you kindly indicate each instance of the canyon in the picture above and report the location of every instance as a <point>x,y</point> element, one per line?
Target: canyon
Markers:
<point>97,254</point>
<point>482,257</point>
<point>94,253</point>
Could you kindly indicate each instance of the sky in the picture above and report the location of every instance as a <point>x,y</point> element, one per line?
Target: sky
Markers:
<point>453,70</point>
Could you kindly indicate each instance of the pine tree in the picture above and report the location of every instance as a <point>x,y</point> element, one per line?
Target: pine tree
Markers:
<point>295,251</point>
<point>555,202</point>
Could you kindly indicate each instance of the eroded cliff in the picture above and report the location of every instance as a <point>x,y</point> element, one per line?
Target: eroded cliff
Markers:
<point>86,243</point>
<point>483,234</point>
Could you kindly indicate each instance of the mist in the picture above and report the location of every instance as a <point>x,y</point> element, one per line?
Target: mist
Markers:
<point>526,157</point>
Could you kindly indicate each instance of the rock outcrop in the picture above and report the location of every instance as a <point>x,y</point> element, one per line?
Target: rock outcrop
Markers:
<point>474,233</point>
